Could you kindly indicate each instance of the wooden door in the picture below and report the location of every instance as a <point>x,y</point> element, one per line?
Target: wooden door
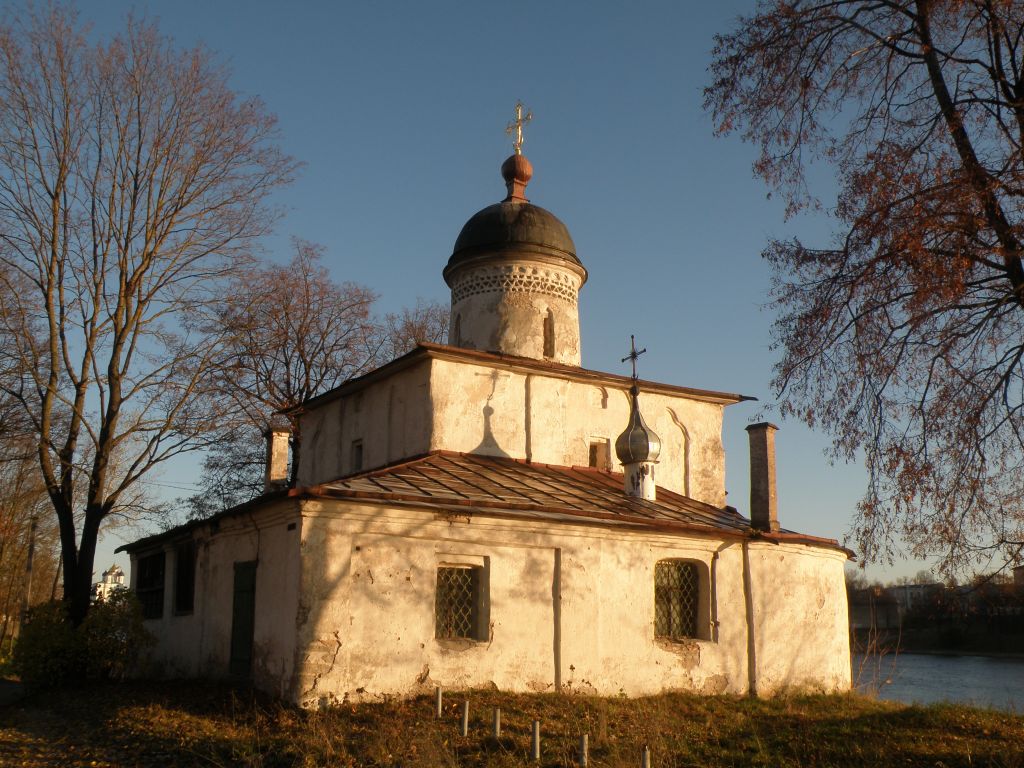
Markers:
<point>243,619</point>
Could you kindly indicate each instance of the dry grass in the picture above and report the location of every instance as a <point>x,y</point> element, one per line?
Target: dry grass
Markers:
<point>191,723</point>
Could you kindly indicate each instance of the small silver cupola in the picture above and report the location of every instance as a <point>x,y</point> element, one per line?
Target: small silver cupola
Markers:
<point>638,447</point>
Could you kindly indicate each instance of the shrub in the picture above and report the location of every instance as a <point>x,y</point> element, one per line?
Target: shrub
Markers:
<point>113,636</point>
<point>48,652</point>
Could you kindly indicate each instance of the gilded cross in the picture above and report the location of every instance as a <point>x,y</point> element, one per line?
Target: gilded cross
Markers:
<point>633,354</point>
<point>516,127</point>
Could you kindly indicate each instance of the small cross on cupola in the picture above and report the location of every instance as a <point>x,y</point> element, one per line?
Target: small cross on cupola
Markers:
<point>634,354</point>
<point>517,170</point>
<point>638,447</point>
<point>516,127</point>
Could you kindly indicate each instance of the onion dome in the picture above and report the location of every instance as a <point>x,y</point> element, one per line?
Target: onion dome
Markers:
<point>514,226</point>
<point>638,443</point>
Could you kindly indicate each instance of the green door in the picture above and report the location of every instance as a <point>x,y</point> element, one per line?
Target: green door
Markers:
<point>243,619</point>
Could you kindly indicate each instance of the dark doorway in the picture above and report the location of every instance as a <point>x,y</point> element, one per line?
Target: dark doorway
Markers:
<point>243,619</point>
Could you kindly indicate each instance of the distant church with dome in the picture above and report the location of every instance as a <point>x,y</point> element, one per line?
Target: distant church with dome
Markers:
<point>491,513</point>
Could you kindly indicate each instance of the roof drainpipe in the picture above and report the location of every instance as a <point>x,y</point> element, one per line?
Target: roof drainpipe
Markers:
<point>764,512</point>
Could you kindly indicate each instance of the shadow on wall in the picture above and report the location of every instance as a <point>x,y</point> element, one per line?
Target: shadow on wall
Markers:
<point>488,443</point>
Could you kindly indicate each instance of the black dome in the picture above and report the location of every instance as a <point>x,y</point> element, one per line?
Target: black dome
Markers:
<point>513,226</point>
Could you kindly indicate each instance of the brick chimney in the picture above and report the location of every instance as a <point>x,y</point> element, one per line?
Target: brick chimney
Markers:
<point>277,459</point>
<point>764,512</point>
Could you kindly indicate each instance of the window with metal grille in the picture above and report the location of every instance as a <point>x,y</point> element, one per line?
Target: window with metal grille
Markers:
<point>676,599</point>
<point>149,586</point>
<point>457,606</point>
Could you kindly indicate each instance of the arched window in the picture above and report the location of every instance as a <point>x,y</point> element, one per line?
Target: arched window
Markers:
<point>456,335</point>
<point>549,334</point>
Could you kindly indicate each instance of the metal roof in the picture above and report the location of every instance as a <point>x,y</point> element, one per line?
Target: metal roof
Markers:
<point>471,484</point>
<point>462,481</point>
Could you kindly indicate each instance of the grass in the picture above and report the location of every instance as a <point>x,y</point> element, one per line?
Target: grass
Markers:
<point>193,723</point>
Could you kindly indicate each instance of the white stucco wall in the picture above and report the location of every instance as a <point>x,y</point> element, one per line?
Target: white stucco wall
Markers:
<point>799,601</point>
<point>549,419</point>
<point>197,644</point>
<point>569,606</point>
<point>393,420</point>
<point>472,407</point>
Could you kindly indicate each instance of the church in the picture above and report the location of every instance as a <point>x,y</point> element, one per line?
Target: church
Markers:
<point>491,513</point>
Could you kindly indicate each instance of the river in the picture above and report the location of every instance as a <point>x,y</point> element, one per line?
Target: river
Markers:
<point>982,681</point>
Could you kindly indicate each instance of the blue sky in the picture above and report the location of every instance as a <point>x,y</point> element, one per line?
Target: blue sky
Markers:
<point>398,112</point>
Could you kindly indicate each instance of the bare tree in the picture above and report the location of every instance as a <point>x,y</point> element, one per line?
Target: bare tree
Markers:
<point>905,339</point>
<point>402,331</point>
<point>290,333</point>
<point>293,333</point>
<point>132,183</point>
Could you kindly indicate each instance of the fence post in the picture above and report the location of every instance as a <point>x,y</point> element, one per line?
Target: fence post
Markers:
<point>535,742</point>
<point>497,722</point>
<point>437,699</point>
<point>584,750</point>
<point>645,759</point>
<point>465,718</point>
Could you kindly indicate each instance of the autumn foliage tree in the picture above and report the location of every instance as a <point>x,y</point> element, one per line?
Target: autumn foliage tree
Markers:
<point>905,337</point>
<point>132,183</point>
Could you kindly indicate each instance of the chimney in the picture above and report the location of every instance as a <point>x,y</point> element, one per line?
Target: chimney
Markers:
<point>764,512</point>
<point>277,459</point>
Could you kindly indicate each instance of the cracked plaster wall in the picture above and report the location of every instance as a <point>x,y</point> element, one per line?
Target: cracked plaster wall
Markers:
<point>568,605</point>
<point>552,420</point>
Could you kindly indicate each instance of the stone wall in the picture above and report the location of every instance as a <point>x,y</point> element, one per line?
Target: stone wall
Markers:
<point>197,644</point>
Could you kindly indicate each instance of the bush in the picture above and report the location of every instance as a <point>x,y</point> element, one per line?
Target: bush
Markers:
<point>50,652</point>
<point>113,636</point>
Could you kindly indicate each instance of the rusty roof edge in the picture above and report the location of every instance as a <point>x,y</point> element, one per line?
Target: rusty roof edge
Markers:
<point>429,350</point>
<point>784,537</point>
<point>329,491</point>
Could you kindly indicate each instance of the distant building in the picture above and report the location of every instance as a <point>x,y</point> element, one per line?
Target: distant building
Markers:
<point>910,596</point>
<point>113,580</point>
<point>874,608</point>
